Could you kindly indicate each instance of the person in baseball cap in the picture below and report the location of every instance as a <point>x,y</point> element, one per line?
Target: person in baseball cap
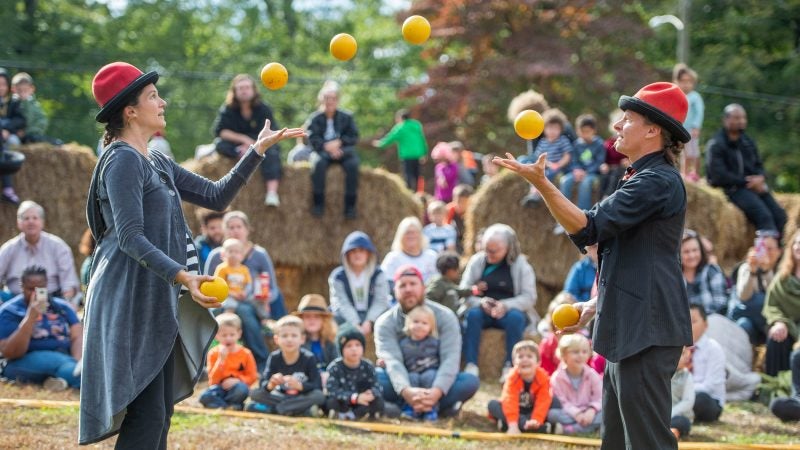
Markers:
<point>645,316</point>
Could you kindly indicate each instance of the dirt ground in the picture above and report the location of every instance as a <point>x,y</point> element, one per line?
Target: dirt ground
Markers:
<point>56,428</point>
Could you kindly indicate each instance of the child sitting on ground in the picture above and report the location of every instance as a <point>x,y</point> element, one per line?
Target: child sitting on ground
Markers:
<point>526,396</point>
<point>320,329</point>
<point>577,388</point>
<point>682,397</point>
<point>236,274</point>
<point>420,350</point>
<point>353,388</point>
<point>231,367</point>
<point>441,236</point>
<point>290,385</point>
<point>443,287</point>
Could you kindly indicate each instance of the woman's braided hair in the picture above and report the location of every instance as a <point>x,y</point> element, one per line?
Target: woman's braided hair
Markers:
<point>116,123</point>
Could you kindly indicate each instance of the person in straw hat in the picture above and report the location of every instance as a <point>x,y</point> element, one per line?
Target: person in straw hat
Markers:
<point>320,330</point>
<point>147,327</point>
<point>642,311</point>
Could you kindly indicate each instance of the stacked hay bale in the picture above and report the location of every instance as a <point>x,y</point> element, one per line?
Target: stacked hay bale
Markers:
<point>58,179</point>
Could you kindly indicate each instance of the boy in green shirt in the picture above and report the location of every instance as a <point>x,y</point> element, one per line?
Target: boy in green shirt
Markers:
<point>411,145</point>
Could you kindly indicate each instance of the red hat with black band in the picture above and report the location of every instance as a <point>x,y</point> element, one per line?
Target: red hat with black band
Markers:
<point>407,270</point>
<point>664,104</point>
<point>114,83</point>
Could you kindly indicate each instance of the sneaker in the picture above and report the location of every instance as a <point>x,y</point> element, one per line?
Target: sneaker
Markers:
<point>548,428</point>
<point>430,416</point>
<point>349,415</point>
<point>558,428</point>
<point>235,407</point>
<point>55,384</point>
<point>408,413</point>
<point>10,197</point>
<point>452,412</point>
<point>259,408</point>
<point>505,372</point>
<point>559,230</point>
<point>272,199</point>
<point>314,411</point>
<point>472,369</point>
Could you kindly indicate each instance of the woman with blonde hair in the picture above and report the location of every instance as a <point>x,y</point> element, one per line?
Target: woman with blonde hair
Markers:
<point>410,246</point>
<point>782,309</point>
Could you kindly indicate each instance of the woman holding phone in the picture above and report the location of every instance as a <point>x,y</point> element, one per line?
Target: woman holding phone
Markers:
<point>147,324</point>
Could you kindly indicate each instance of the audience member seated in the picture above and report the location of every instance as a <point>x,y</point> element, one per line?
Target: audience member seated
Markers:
<point>11,120</point>
<point>507,302</point>
<point>291,384</point>
<point>35,118</point>
<point>734,165</point>
<point>33,246</point>
<point>211,235</point>
<point>41,337</point>
<point>450,388</point>
<point>588,154</point>
<point>782,309</point>
<point>443,287</point>
<point>682,385</point>
<point>613,169</point>
<point>237,126</point>
<point>320,330</point>
<point>359,289</point>
<point>751,279</point>
<point>86,248</point>
<point>237,226</point>
<point>231,367</point>
<point>558,148</point>
<point>333,135</point>
<point>441,236</point>
<point>580,278</point>
<point>705,282</point>
<point>420,349</point>
<point>577,389</point>
<point>353,387</point>
<point>526,397</point>
<point>708,369</point>
<point>410,246</point>
<point>740,380</point>
<point>457,209</point>
<point>788,408</point>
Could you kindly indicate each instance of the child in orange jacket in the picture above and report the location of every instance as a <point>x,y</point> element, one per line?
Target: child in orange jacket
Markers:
<point>526,396</point>
<point>231,367</point>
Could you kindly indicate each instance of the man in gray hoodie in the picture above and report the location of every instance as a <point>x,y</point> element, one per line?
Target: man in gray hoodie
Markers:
<point>451,388</point>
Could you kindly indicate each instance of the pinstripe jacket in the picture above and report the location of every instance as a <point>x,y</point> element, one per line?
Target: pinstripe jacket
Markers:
<point>642,299</point>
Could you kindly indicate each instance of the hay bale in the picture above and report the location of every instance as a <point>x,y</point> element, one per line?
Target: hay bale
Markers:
<point>58,179</point>
<point>708,212</point>
<point>791,203</point>
<point>492,353</point>
<point>304,245</point>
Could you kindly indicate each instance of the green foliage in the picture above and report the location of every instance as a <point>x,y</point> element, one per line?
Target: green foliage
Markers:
<point>744,52</point>
<point>774,387</point>
<point>197,47</point>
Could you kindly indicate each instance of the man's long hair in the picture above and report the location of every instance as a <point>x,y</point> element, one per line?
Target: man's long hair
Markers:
<point>230,98</point>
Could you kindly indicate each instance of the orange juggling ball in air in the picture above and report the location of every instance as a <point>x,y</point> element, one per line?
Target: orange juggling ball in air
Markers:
<point>565,316</point>
<point>343,47</point>
<point>416,30</point>
<point>216,288</point>
<point>529,124</point>
<point>274,76</point>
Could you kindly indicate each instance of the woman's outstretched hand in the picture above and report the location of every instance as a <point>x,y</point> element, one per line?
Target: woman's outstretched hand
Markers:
<point>267,138</point>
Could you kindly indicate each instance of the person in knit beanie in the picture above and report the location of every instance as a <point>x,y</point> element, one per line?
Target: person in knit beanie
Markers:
<point>353,388</point>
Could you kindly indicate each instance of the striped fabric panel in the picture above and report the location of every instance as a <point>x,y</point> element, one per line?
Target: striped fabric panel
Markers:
<point>192,262</point>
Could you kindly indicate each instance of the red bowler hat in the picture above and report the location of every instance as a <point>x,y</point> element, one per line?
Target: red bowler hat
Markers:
<point>112,85</point>
<point>664,104</point>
